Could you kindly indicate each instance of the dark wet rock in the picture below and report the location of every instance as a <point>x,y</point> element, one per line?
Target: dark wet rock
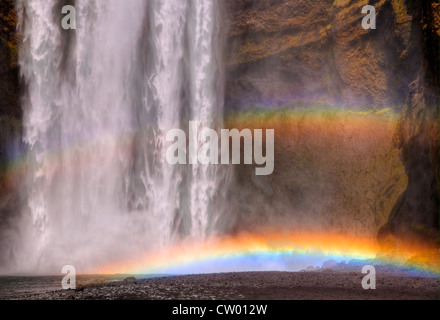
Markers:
<point>329,264</point>
<point>129,279</point>
<point>416,214</point>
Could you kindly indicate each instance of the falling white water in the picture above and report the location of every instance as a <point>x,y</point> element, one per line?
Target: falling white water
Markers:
<point>98,105</point>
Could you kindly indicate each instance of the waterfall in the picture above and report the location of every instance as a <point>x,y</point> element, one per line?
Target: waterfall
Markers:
<point>99,101</point>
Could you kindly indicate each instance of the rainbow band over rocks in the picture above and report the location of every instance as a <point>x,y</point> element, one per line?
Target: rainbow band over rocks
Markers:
<point>18,162</point>
<point>18,159</point>
<point>277,251</point>
<point>264,251</point>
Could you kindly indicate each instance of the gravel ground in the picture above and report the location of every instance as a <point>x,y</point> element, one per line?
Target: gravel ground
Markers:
<point>255,286</point>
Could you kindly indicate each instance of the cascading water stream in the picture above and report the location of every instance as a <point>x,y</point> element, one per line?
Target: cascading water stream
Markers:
<point>99,102</point>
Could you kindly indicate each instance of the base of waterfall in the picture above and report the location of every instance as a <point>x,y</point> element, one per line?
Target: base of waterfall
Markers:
<point>327,285</point>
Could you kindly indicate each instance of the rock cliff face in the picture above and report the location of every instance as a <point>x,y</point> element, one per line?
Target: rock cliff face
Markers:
<point>416,214</point>
<point>281,50</point>
<point>9,99</point>
<point>318,50</point>
<point>10,110</point>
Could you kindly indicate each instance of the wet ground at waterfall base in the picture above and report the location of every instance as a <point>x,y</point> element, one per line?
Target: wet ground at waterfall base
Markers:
<point>250,286</point>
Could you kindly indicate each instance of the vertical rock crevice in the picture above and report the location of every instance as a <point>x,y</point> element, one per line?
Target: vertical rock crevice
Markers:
<point>416,214</point>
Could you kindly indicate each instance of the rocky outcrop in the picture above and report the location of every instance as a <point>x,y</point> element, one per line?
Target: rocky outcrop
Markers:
<point>416,214</point>
<point>278,51</point>
<point>10,111</point>
<point>281,51</point>
<point>9,97</point>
